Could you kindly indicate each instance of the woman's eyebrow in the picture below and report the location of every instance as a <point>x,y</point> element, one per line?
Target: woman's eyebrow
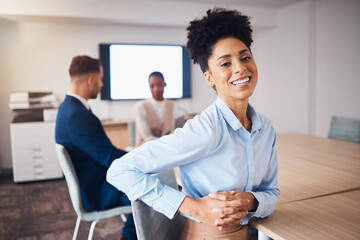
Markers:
<point>228,55</point>
<point>244,50</point>
<point>224,56</point>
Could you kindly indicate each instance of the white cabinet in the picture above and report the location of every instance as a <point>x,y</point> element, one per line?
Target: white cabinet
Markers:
<point>33,151</point>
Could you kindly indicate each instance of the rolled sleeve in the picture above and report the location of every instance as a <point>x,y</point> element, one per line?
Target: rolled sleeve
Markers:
<point>168,203</point>
<point>266,206</point>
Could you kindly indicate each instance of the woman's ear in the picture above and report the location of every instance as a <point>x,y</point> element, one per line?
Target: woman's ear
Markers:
<point>208,78</point>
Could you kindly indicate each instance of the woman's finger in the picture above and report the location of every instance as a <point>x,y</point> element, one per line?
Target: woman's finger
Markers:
<point>223,195</point>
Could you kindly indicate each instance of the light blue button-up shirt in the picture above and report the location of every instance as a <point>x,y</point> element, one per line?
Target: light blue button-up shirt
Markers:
<point>213,153</point>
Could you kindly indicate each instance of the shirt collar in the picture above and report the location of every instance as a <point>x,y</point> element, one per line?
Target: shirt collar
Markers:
<point>231,119</point>
<point>81,99</point>
<point>255,119</point>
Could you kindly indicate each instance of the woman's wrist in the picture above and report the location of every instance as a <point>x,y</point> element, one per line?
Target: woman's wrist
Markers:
<point>254,203</point>
<point>188,206</point>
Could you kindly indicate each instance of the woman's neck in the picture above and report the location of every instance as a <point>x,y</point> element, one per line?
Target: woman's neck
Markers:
<point>239,108</point>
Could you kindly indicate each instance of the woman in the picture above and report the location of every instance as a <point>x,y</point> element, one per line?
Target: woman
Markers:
<point>226,156</point>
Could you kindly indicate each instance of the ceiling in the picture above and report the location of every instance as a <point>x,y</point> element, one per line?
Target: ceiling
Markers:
<point>110,14</point>
<point>253,3</point>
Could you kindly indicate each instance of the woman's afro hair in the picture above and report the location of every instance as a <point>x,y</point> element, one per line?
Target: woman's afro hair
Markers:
<point>218,24</point>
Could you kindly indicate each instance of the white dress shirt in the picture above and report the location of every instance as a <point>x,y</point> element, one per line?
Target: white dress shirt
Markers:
<point>81,99</point>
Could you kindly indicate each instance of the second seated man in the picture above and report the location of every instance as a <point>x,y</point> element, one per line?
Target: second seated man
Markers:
<point>155,117</point>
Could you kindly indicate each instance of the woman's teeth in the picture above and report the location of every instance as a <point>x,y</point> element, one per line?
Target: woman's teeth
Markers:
<point>245,80</point>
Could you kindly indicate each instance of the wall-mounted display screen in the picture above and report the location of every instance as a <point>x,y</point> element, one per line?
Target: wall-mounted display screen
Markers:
<point>127,68</point>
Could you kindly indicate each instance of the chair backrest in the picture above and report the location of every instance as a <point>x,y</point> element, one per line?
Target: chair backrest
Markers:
<point>131,131</point>
<point>347,129</point>
<point>71,179</point>
<point>179,122</point>
<point>152,225</point>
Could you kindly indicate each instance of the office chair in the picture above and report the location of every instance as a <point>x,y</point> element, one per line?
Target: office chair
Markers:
<point>179,122</point>
<point>347,129</point>
<point>75,195</point>
<point>132,135</point>
<point>152,225</point>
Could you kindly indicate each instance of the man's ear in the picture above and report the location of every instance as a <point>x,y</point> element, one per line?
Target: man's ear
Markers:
<point>90,79</point>
<point>208,78</point>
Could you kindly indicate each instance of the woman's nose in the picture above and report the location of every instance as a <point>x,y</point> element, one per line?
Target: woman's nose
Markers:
<point>238,66</point>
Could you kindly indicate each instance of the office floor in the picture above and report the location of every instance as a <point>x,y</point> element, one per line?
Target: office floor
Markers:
<point>42,210</point>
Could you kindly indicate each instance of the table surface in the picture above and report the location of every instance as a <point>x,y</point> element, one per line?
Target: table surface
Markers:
<point>312,166</point>
<point>334,216</point>
<point>319,181</point>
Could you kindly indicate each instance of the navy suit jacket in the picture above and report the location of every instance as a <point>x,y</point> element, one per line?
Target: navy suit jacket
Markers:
<point>91,152</point>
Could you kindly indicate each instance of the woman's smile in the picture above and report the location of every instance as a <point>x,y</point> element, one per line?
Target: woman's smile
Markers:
<point>241,83</point>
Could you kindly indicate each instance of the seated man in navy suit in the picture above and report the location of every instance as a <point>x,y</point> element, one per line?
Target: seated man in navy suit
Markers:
<point>83,136</point>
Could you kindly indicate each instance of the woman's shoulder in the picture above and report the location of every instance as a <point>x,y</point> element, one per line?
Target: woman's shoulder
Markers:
<point>267,126</point>
<point>208,118</point>
<point>201,129</point>
<point>264,119</point>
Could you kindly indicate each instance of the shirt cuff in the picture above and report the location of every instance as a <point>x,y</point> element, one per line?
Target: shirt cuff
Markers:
<point>264,208</point>
<point>169,202</point>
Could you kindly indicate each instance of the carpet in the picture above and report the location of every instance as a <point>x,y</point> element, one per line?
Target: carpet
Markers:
<point>42,210</point>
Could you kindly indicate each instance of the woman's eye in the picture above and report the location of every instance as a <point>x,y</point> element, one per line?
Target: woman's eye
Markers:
<point>245,58</point>
<point>226,64</point>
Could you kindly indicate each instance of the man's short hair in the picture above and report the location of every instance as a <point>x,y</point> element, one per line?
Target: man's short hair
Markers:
<point>83,65</point>
<point>157,74</point>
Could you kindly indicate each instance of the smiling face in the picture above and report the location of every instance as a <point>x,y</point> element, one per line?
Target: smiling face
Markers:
<point>232,71</point>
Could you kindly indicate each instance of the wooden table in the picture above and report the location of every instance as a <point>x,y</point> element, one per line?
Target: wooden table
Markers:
<point>319,181</point>
<point>334,216</point>
<point>117,132</point>
<point>312,166</point>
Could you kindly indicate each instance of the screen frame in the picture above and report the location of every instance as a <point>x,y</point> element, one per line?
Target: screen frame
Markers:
<point>104,53</point>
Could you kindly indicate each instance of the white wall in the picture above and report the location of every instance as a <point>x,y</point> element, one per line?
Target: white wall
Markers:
<point>309,66</point>
<point>337,62</point>
<point>282,57</point>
